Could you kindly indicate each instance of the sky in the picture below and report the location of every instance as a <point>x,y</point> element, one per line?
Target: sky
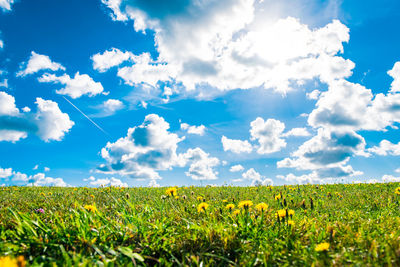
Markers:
<point>199,92</point>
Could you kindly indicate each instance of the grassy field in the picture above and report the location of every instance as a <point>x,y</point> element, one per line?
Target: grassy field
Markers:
<point>338,225</point>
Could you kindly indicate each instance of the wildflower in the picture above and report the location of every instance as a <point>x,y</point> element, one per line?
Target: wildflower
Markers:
<point>176,197</point>
<point>92,196</point>
<point>50,193</point>
<point>10,262</point>
<point>199,198</point>
<point>322,247</point>
<point>236,212</point>
<point>245,204</point>
<point>202,207</point>
<point>171,191</point>
<point>290,222</point>
<point>224,201</point>
<point>397,191</point>
<point>91,208</point>
<point>40,210</point>
<point>230,207</point>
<point>282,213</point>
<point>279,196</point>
<point>291,212</point>
<point>261,207</point>
<point>43,194</point>
<point>184,197</point>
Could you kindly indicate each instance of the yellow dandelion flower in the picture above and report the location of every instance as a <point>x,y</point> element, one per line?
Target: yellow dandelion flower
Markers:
<point>176,197</point>
<point>279,196</point>
<point>282,213</point>
<point>261,207</point>
<point>171,191</point>
<point>236,212</point>
<point>92,196</point>
<point>230,207</point>
<point>91,208</point>
<point>291,223</point>
<point>397,191</point>
<point>322,247</point>
<point>202,207</point>
<point>50,193</point>
<point>199,198</point>
<point>224,201</point>
<point>10,262</point>
<point>43,194</point>
<point>291,212</point>
<point>245,204</point>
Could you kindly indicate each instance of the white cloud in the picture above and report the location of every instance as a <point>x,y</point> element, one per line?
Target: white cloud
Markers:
<point>268,134</point>
<point>75,87</point>
<point>107,182</point>
<point>146,149</point>
<point>297,132</point>
<point>236,146</point>
<point>311,178</point>
<point>191,129</point>
<point>1,43</point>
<point>37,63</point>
<point>351,106</point>
<point>110,58</point>
<point>386,148</point>
<point>395,74</point>
<point>236,168</point>
<point>46,169</point>
<point>224,45</point>
<point>36,167</point>
<point>7,105</point>
<point>52,123</point>
<point>5,173</point>
<point>255,178</point>
<point>327,153</point>
<point>40,179</point>
<point>12,136</point>
<point>390,179</point>
<point>110,107</point>
<point>48,122</point>
<point>201,165</point>
<point>313,95</point>
<point>5,5</point>
<point>397,170</point>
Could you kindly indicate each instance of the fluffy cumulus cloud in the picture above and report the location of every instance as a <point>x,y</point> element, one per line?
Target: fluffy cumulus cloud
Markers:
<point>37,63</point>
<point>390,179</point>
<point>386,148</point>
<point>268,134</point>
<point>147,149</point>
<point>5,173</point>
<point>327,153</point>
<point>255,178</point>
<point>236,168</point>
<point>109,107</point>
<point>5,5</point>
<point>192,129</point>
<point>201,165</point>
<point>41,179</point>
<point>222,44</point>
<point>297,132</point>
<point>236,146</point>
<point>38,179</point>
<point>110,58</point>
<point>48,122</point>
<point>395,74</point>
<point>79,85</point>
<point>105,182</point>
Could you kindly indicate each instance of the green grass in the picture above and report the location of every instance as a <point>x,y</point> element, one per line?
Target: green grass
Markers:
<point>142,226</point>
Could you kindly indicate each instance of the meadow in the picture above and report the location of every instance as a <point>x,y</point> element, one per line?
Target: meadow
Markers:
<point>306,225</point>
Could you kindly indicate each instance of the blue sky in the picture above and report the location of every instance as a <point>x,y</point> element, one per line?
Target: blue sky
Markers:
<point>241,92</point>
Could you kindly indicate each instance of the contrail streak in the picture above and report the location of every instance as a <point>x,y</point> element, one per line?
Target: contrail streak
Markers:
<point>95,124</point>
